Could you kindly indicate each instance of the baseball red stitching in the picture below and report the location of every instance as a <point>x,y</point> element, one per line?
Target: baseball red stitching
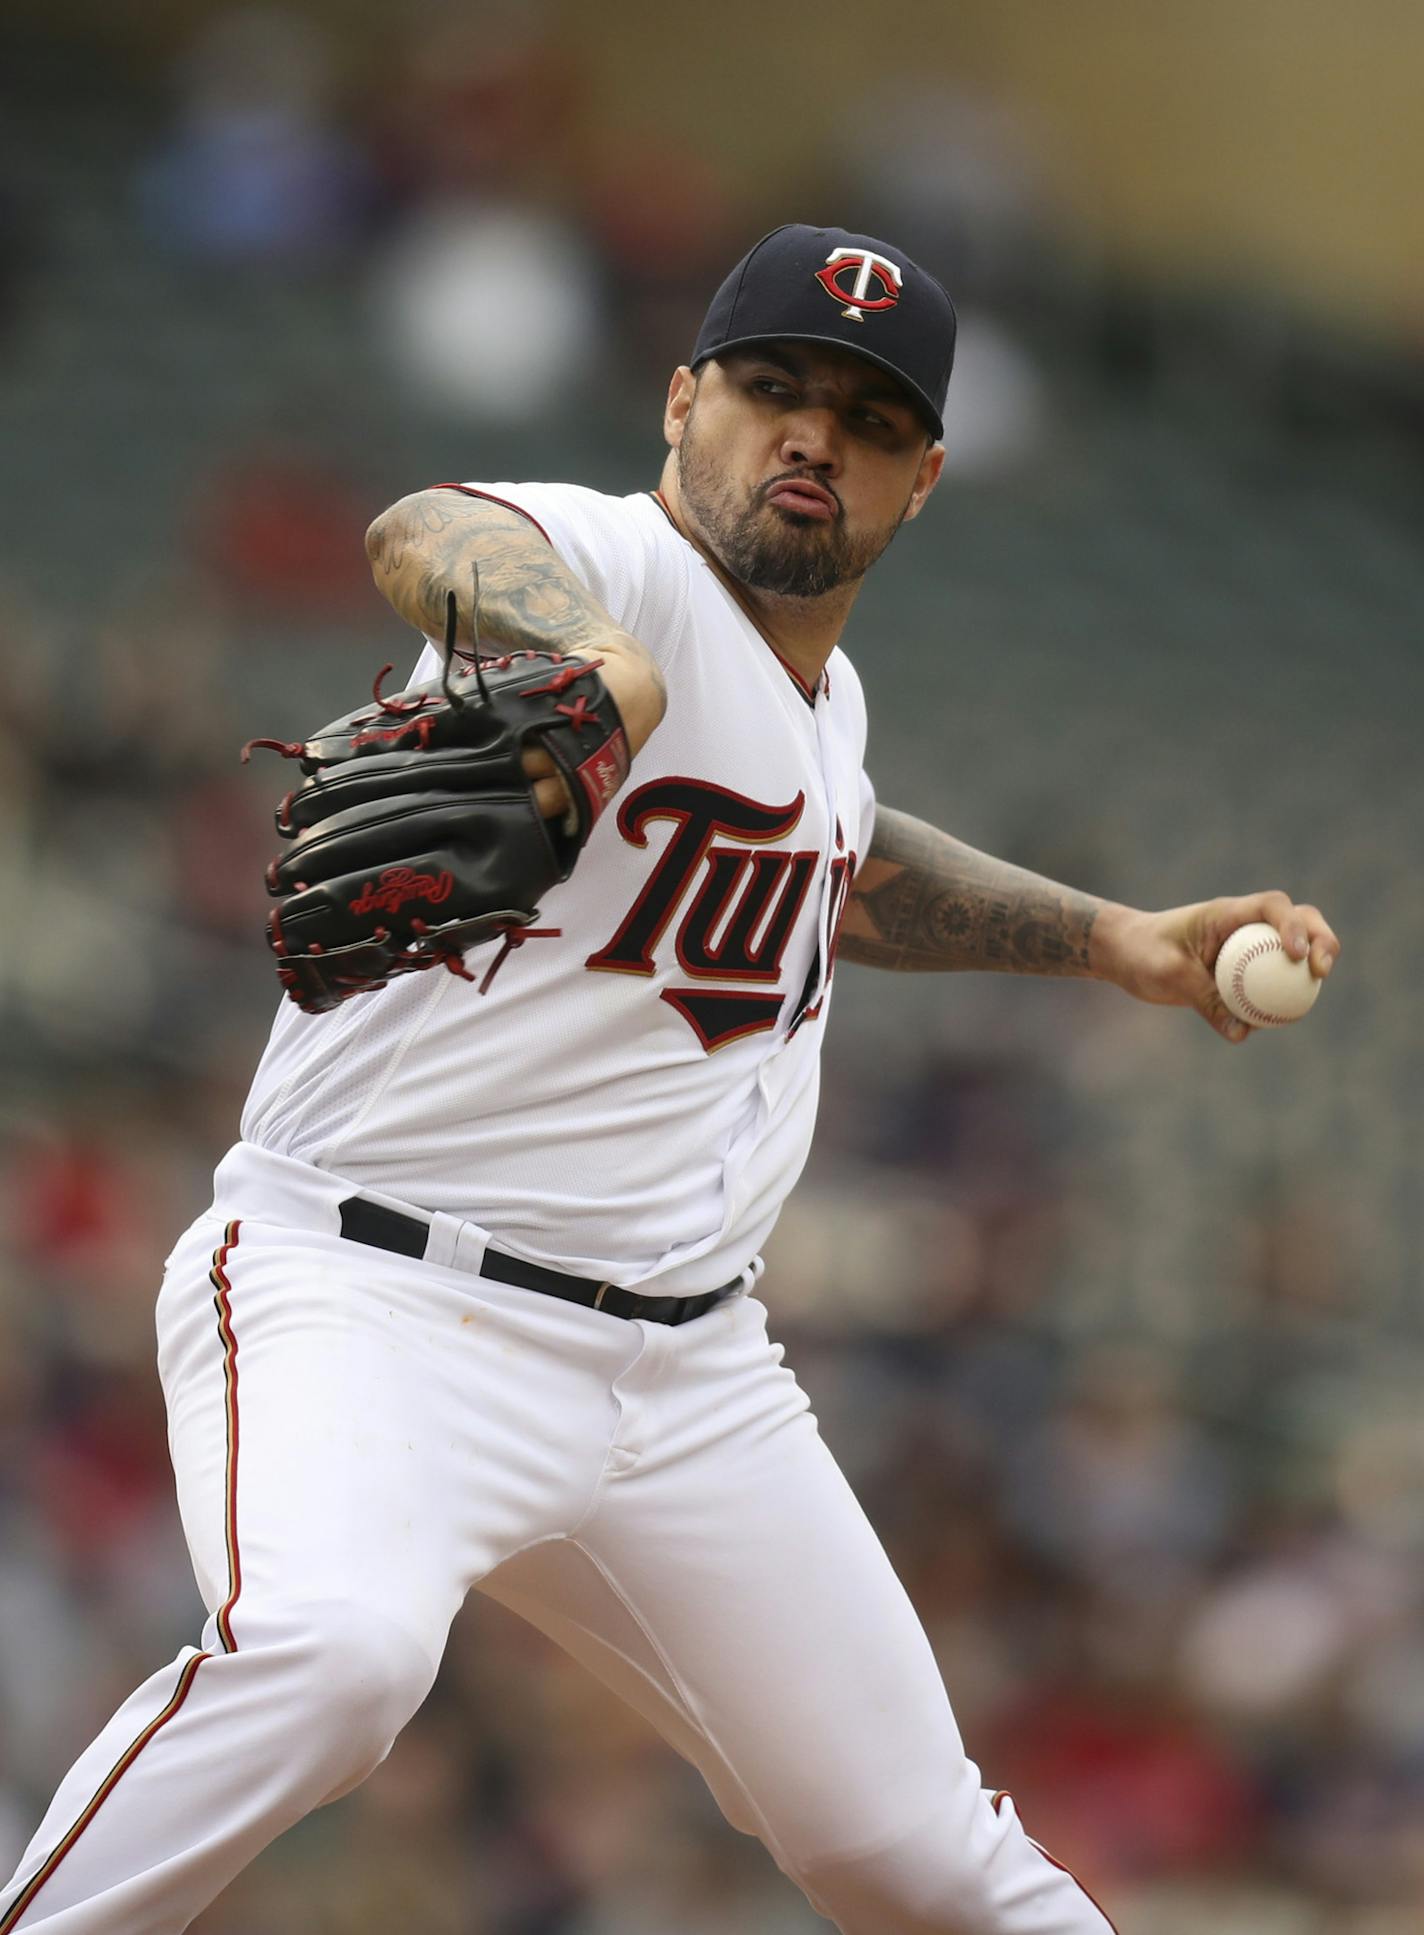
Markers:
<point>1256,1015</point>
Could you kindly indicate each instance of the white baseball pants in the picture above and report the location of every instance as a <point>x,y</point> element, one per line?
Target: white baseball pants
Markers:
<point>359,1438</point>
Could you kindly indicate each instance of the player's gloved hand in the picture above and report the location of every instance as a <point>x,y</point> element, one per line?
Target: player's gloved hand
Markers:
<point>417,832</point>
<point>1168,957</point>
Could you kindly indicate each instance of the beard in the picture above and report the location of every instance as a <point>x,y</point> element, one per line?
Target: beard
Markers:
<point>763,545</point>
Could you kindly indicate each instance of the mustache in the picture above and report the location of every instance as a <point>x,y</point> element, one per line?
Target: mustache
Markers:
<point>800,477</point>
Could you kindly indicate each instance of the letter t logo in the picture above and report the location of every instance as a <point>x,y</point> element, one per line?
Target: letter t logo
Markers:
<point>858,297</point>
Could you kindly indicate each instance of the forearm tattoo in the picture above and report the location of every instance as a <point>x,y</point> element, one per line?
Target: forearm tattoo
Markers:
<point>922,900</point>
<point>425,547</point>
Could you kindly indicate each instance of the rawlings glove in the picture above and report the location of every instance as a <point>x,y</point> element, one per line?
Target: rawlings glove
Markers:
<point>416,835</point>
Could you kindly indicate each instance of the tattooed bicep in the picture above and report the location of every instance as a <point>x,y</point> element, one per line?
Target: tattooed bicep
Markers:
<point>436,540</point>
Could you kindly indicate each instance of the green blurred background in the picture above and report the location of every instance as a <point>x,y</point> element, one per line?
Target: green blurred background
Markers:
<point>1117,1332</point>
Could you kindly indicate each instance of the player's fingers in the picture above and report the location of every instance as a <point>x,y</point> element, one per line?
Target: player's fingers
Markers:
<point>1226,1025</point>
<point>1213,1010</point>
<point>1279,911</point>
<point>1324,942</point>
<point>552,797</point>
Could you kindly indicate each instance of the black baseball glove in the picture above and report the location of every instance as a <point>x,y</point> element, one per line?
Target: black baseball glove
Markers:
<point>416,834</point>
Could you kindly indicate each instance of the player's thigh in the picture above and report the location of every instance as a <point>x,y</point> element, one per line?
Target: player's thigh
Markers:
<point>350,1425</point>
<point>558,1588</point>
<point>745,1584</point>
<point>796,1652</point>
<point>296,1472</point>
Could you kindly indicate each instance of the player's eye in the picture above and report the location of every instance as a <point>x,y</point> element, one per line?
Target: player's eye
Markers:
<point>771,386</point>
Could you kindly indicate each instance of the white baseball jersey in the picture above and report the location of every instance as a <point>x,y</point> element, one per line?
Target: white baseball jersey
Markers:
<point>635,1095</point>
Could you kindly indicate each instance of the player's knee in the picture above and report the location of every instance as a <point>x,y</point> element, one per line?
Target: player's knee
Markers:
<point>372,1671</point>
<point>924,1885</point>
<point>355,1676</point>
<point>966,1871</point>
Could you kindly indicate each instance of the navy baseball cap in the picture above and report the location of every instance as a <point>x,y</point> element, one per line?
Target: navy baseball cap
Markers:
<point>824,285</point>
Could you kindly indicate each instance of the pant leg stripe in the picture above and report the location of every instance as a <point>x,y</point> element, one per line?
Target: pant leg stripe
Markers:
<point>106,1787</point>
<point>1052,1861</point>
<point>222,1301</point>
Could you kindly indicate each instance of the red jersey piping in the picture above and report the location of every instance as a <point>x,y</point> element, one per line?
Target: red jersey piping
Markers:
<point>489,496</point>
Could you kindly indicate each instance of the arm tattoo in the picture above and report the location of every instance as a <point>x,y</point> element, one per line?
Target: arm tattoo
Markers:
<point>425,546</point>
<point>922,900</point>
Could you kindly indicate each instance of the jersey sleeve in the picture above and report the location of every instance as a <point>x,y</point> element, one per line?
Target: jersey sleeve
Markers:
<point>621,548</point>
<point>867,812</point>
<point>845,690</point>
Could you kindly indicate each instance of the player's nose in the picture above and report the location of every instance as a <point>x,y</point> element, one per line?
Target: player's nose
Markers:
<point>811,439</point>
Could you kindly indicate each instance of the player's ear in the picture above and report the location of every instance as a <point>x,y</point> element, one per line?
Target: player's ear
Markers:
<point>681,391</point>
<point>928,475</point>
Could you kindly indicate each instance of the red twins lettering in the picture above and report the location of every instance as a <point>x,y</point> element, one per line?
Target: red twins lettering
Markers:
<point>400,884</point>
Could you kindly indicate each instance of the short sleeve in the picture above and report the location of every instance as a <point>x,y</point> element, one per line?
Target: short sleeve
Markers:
<point>867,812</point>
<point>623,549</point>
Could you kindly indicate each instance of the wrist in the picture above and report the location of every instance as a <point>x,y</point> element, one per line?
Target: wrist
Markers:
<point>1106,943</point>
<point>634,683</point>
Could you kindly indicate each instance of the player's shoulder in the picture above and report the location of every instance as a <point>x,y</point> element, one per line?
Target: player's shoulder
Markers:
<point>842,682</point>
<point>625,549</point>
<point>608,539</point>
<point>559,509</point>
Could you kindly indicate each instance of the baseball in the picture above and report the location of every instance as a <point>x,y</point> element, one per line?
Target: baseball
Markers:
<point>1259,982</point>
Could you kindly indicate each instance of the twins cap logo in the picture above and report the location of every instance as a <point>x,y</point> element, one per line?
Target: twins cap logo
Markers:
<point>866,264</point>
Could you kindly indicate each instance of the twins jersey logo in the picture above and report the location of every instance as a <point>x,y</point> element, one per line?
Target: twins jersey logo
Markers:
<point>858,297</point>
<point>738,904</point>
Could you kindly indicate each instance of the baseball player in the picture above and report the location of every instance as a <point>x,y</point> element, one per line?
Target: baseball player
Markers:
<point>474,1303</point>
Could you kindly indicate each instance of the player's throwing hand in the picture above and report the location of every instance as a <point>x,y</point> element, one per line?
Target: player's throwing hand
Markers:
<point>1168,957</point>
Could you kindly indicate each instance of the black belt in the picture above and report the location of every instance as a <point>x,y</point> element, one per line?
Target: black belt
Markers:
<point>363,1221</point>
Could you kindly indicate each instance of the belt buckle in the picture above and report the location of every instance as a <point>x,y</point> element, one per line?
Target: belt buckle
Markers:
<point>603,1290</point>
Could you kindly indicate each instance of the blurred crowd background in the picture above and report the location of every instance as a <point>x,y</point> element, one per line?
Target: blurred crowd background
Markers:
<point>1118,1332</point>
